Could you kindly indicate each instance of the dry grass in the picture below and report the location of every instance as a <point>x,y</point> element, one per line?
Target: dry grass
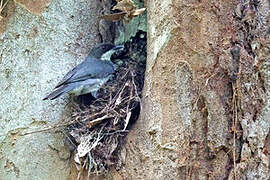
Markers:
<point>2,5</point>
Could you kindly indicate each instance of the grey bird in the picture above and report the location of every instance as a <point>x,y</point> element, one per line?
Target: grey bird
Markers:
<point>90,75</point>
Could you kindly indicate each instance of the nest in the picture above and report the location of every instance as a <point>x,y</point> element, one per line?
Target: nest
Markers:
<point>100,127</point>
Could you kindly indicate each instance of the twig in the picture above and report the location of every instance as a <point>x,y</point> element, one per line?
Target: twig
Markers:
<point>127,120</point>
<point>96,121</point>
<point>115,132</point>
<point>47,129</point>
<point>2,5</point>
<point>118,94</point>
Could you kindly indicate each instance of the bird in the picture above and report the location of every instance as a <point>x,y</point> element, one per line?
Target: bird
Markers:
<point>90,75</point>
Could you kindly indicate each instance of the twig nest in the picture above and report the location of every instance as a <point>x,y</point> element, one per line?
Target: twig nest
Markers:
<point>100,126</point>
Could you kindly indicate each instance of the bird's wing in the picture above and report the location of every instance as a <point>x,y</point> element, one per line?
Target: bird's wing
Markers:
<point>59,91</point>
<point>67,77</point>
<point>88,69</point>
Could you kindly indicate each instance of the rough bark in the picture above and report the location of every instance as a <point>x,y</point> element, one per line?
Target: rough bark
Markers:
<point>206,98</point>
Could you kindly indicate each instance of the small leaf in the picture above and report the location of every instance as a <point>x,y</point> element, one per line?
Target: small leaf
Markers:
<point>125,5</point>
<point>128,11</point>
<point>138,12</point>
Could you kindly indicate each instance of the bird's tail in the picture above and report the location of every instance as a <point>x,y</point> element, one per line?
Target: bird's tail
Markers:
<point>58,92</point>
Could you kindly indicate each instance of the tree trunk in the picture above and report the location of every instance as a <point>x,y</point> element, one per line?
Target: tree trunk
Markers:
<point>206,98</point>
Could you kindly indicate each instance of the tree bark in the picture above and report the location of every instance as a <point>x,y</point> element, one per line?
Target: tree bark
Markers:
<point>206,98</point>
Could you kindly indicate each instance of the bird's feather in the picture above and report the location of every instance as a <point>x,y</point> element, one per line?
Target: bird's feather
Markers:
<point>91,68</point>
<point>58,92</point>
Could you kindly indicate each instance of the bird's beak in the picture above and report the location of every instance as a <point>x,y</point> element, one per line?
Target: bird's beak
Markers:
<point>119,47</point>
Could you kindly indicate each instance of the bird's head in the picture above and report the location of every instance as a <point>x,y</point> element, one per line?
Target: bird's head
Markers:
<point>104,51</point>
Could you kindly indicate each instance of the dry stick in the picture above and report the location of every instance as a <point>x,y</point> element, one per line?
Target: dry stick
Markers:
<point>51,128</point>
<point>127,120</point>
<point>114,99</point>
<point>101,112</point>
<point>118,94</point>
<point>127,71</point>
<point>98,120</point>
<point>47,129</point>
<point>92,116</point>
<point>131,97</point>
<point>90,165</point>
<point>3,6</point>
<point>136,91</point>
